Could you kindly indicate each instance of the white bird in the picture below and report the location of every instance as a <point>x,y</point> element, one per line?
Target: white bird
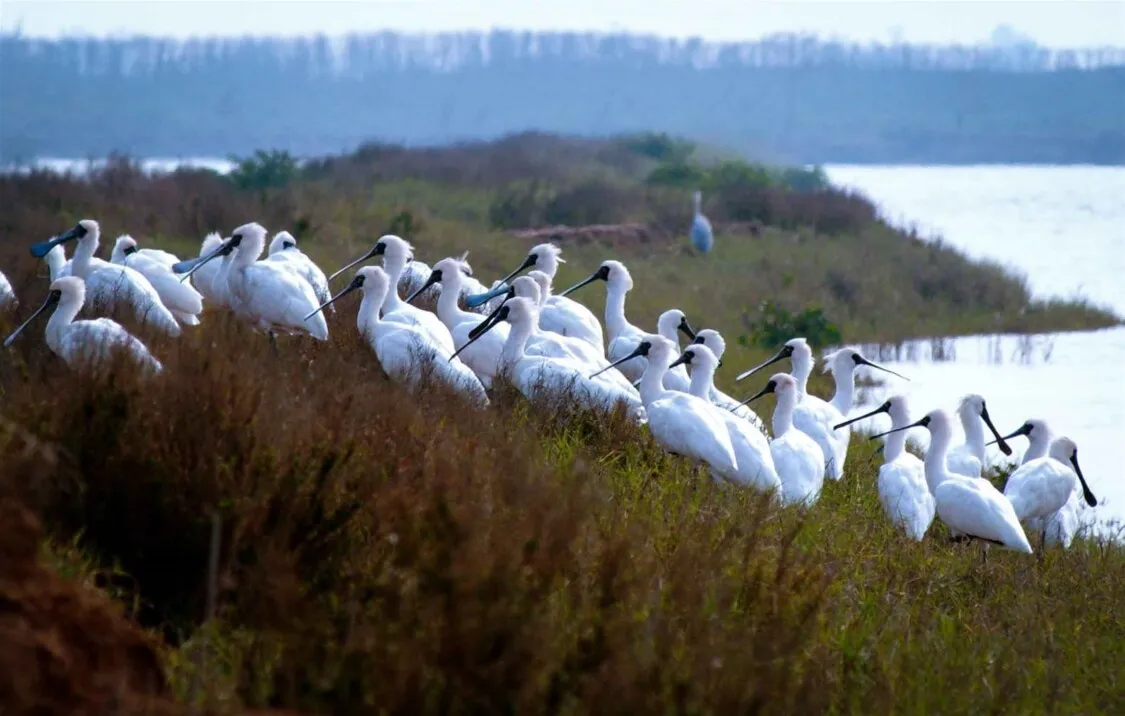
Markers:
<point>7,295</point>
<point>843,363</point>
<point>1042,487</point>
<point>532,373</point>
<point>556,345</point>
<point>714,341</point>
<point>968,458</point>
<point>796,456</point>
<point>57,265</point>
<point>814,416</point>
<point>559,313</point>
<point>405,350</point>
<point>680,422</point>
<point>483,355</point>
<point>84,344</point>
<point>106,283</point>
<point>266,294</point>
<point>624,336</point>
<point>969,506</point>
<point>903,490</point>
<point>416,281</point>
<point>178,296</point>
<point>1060,527</point>
<point>397,253</point>
<point>751,449</point>
<point>120,251</point>
<point>204,276</point>
<point>284,248</point>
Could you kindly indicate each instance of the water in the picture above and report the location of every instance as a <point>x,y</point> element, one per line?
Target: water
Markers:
<point>1062,227</point>
<point>150,165</point>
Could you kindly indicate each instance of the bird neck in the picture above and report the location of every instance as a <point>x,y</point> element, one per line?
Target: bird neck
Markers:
<point>652,382</point>
<point>61,319</point>
<point>783,413</point>
<point>895,444</point>
<point>936,470</point>
<point>1037,446</point>
<point>448,309</point>
<point>802,367</point>
<point>513,350</point>
<point>696,201</point>
<point>394,266</point>
<point>367,321</point>
<point>615,322</point>
<point>844,396</point>
<point>83,255</point>
<point>702,381</point>
<point>972,423</point>
<point>56,259</point>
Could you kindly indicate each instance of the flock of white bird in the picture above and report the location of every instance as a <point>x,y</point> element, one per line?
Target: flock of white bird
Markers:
<point>544,341</point>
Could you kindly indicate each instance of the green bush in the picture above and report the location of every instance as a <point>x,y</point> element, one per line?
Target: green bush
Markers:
<point>270,169</point>
<point>777,325</point>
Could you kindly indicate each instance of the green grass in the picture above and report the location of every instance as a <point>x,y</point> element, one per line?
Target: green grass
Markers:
<point>395,552</point>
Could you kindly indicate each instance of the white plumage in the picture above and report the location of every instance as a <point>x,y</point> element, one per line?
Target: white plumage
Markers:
<point>797,458</point>
<point>755,466</point>
<point>106,284</point>
<point>178,296</point>
<point>84,344</point>
<point>904,493</point>
<point>283,248</point>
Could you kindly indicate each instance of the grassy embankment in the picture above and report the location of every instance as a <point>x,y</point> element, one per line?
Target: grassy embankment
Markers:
<point>382,549</point>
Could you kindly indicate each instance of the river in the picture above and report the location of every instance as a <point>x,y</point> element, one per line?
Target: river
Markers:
<point>1063,228</point>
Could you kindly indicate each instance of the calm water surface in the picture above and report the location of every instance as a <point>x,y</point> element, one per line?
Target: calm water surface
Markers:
<point>1062,227</point>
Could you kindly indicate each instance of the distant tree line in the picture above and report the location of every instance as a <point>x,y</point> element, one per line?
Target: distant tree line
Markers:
<point>790,97</point>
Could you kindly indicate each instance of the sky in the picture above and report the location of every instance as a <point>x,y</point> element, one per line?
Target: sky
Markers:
<point>1053,23</point>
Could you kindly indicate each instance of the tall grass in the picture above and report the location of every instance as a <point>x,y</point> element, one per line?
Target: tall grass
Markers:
<point>404,552</point>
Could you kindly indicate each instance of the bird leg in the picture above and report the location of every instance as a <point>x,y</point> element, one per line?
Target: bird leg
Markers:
<point>273,342</point>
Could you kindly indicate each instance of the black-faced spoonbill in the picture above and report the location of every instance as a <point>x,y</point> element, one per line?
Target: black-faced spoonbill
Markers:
<point>796,456</point>
<point>812,415</point>
<point>84,344</point>
<point>969,506</point>
<point>204,277</point>
<point>107,283</point>
<point>265,294</point>
<point>483,356</point>
<point>179,297</point>
<point>283,248</point>
<point>968,458</point>
<point>682,423</point>
<point>1059,528</point>
<point>1044,493</point>
<point>714,341</point>
<point>160,256</point>
<point>560,314</point>
<point>558,346</point>
<point>842,364</point>
<point>397,253</point>
<point>751,449</point>
<point>701,236</point>
<point>532,373</point>
<point>406,351</point>
<point>904,493</point>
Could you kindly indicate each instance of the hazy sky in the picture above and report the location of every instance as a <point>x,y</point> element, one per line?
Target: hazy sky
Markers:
<point>1057,23</point>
